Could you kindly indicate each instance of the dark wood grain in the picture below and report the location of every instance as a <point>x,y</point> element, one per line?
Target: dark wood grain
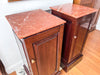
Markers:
<point>75,32</point>
<point>45,48</point>
<point>91,60</point>
<point>41,35</point>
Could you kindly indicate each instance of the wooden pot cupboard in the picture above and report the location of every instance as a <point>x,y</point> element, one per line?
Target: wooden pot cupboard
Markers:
<point>78,20</point>
<point>93,4</point>
<point>42,35</point>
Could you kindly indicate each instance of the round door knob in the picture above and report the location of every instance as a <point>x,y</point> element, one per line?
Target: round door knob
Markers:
<point>57,9</point>
<point>32,61</point>
<point>75,37</point>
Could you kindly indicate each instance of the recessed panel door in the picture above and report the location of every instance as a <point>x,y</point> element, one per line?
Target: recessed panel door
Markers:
<point>46,55</point>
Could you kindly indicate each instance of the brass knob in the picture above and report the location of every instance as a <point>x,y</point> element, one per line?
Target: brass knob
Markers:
<point>32,61</point>
<point>57,9</point>
<point>75,37</point>
<point>60,68</point>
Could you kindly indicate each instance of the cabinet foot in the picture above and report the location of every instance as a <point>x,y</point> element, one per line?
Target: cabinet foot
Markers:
<point>68,66</point>
<point>92,29</point>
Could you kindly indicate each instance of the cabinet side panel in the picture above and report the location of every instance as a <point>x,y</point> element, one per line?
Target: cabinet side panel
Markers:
<point>70,31</point>
<point>33,70</point>
<point>60,40</point>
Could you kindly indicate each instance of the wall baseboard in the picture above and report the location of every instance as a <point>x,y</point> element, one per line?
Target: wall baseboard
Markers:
<point>14,67</point>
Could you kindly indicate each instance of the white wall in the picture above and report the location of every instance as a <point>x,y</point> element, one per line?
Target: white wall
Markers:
<point>3,1</point>
<point>98,24</point>
<point>9,51</point>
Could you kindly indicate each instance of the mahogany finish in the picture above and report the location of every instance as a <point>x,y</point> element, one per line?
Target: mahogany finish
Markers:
<point>91,59</point>
<point>78,19</point>
<point>42,35</point>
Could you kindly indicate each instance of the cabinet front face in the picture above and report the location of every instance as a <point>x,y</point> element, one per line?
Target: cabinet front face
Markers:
<point>75,35</point>
<point>45,49</point>
<point>46,55</point>
<point>82,29</point>
<point>75,32</point>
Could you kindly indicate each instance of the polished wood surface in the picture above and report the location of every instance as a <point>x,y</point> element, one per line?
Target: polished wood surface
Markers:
<point>45,49</point>
<point>82,31</point>
<point>75,32</point>
<point>91,59</point>
<point>47,64</point>
<point>28,23</point>
<point>41,35</point>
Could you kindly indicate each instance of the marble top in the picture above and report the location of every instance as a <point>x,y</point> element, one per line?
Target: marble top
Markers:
<point>73,10</point>
<point>28,23</point>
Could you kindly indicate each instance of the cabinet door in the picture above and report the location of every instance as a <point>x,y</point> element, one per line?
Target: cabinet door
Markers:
<point>45,48</point>
<point>46,55</point>
<point>82,32</point>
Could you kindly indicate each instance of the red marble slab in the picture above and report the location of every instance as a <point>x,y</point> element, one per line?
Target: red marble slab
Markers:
<point>74,10</point>
<point>32,22</point>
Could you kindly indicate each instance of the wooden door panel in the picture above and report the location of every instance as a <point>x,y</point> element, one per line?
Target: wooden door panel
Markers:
<point>81,35</point>
<point>34,38</point>
<point>46,55</point>
<point>34,68</point>
<point>79,42</point>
